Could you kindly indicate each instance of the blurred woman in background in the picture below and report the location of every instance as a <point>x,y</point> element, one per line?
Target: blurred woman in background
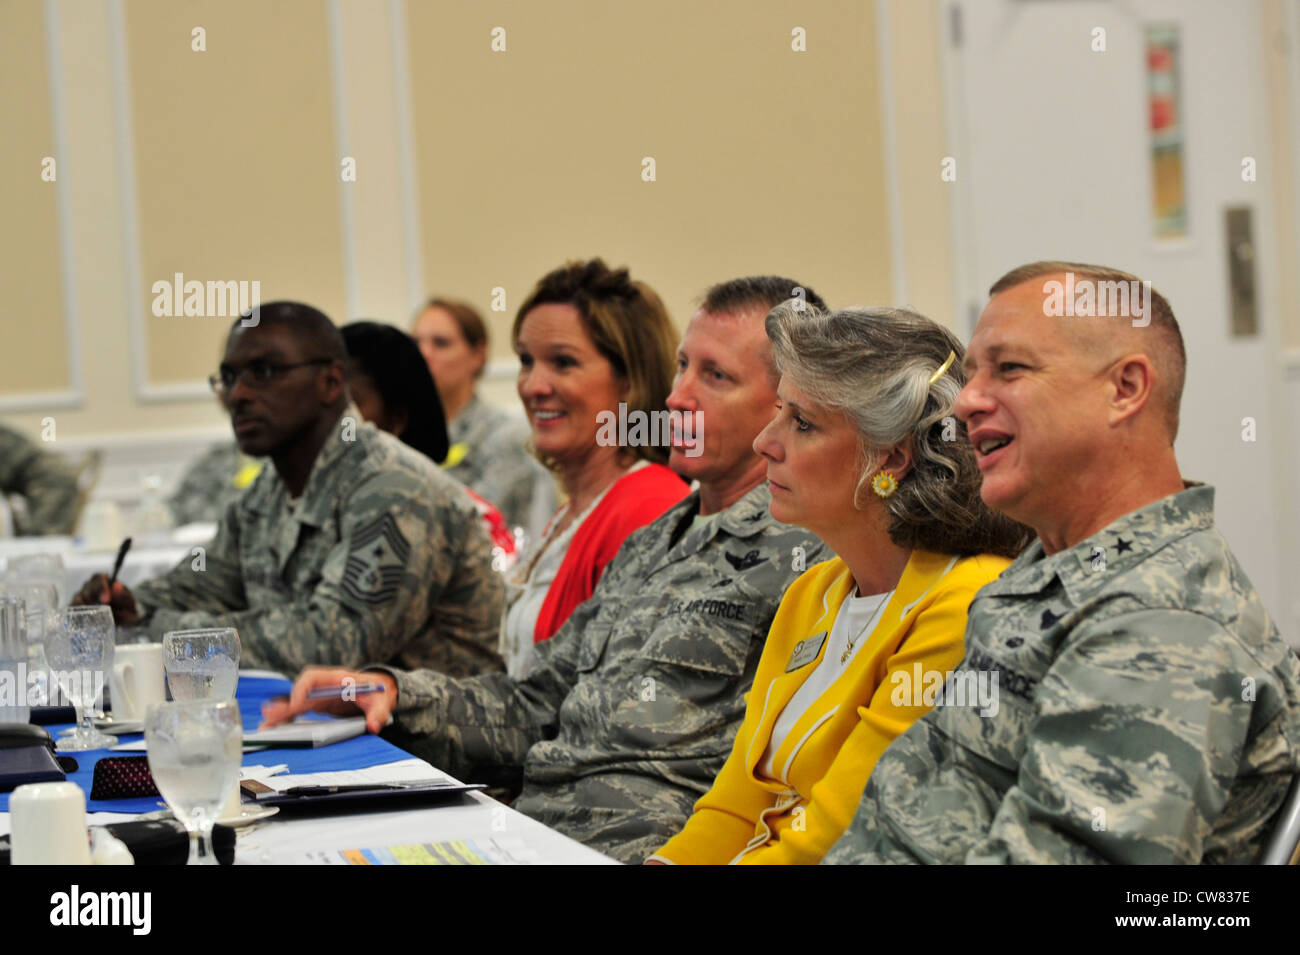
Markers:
<point>487,452</point>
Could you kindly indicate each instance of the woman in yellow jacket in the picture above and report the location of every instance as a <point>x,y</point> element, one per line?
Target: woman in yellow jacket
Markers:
<point>865,452</point>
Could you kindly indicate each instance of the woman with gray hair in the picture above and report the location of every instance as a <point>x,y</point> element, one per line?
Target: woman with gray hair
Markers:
<point>865,452</point>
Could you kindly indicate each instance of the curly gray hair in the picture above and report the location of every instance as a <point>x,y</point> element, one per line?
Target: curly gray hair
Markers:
<point>876,365</point>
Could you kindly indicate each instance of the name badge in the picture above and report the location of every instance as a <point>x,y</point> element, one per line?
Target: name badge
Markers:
<point>805,652</point>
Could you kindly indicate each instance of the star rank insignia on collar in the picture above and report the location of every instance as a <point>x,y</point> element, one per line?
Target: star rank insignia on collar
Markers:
<point>1122,545</point>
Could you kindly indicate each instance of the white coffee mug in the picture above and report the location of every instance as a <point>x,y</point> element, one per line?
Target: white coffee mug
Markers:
<point>137,680</point>
<point>49,825</point>
<point>102,525</point>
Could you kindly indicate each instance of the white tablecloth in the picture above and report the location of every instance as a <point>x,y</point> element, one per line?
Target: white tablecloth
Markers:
<point>147,558</point>
<point>477,818</point>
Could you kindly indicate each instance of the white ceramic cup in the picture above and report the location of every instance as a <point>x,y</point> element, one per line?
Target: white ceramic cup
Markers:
<point>102,525</point>
<point>49,825</point>
<point>137,680</point>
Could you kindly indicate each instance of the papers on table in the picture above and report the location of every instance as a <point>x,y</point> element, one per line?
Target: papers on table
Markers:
<point>260,772</point>
<point>484,850</point>
<point>402,771</point>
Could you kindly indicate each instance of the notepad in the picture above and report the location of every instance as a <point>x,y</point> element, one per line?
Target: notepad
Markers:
<point>301,735</point>
<point>404,770</point>
<point>308,733</point>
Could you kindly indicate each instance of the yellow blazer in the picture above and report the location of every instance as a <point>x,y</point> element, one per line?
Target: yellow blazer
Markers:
<point>826,758</point>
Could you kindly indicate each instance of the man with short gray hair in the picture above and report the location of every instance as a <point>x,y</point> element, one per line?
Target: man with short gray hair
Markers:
<point>1149,710</point>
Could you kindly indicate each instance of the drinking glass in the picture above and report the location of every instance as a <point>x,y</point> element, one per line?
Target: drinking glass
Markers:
<point>40,569</point>
<point>195,748</point>
<point>202,664</point>
<point>40,601</point>
<point>13,651</point>
<point>79,649</point>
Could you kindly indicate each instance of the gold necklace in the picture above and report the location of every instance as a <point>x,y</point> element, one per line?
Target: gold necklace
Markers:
<point>852,643</point>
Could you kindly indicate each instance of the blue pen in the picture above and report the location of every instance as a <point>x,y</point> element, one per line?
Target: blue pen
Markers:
<point>337,692</point>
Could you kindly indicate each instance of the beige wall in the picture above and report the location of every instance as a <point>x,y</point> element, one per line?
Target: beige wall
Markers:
<point>475,169</point>
<point>915,109</point>
<point>234,165</point>
<point>532,156</point>
<point>34,353</point>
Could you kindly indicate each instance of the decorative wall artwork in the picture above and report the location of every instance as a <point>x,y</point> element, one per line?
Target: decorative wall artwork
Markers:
<point>1164,95</point>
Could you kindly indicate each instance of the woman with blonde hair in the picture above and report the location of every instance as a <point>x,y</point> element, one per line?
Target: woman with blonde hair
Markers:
<point>864,451</point>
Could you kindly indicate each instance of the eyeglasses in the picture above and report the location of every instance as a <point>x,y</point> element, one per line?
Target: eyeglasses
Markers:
<point>256,373</point>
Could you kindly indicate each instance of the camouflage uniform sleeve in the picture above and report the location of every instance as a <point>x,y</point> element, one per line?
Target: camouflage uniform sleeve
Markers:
<point>481,729</point>
<point>1140,729</point>
<point>208,579</point>
<point>467,599</point>
<point>46,483</point>
<point>395,556</point>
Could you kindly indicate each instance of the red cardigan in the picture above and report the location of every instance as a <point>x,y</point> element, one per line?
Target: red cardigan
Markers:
<point>633,501</point>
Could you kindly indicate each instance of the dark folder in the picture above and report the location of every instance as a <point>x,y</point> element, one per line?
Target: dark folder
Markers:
<point>27,756</point>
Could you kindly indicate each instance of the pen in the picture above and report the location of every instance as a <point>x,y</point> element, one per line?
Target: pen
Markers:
<point>337,692</point>
<point>117,564</point>
<point>365,787</point>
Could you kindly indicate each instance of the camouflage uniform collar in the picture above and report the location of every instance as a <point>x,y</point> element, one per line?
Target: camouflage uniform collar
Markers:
<point>461,428</point>
<point>316,503</point>
<point>1118,547</point>
<point>745,518</point>
<point>749,515</point>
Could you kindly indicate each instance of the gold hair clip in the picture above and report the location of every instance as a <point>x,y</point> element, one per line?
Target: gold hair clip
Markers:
<point>952,356</point>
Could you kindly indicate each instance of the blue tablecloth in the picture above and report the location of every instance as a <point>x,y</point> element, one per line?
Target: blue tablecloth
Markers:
<point>357,753</point>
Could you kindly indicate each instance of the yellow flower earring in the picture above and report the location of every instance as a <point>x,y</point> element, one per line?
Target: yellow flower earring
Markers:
<point>884,484</point>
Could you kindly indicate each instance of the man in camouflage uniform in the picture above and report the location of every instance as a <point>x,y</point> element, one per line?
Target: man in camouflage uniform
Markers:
<point>635,702</point>
<point>46,484</point>
<point>1149,712</point>
<point>488,456</point>
<point>352,547</point>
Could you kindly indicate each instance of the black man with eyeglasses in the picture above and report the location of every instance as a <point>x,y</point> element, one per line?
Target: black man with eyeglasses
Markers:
<point>352,547</point>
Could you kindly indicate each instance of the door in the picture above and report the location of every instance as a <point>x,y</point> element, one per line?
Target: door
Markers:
<point>1055,160</point>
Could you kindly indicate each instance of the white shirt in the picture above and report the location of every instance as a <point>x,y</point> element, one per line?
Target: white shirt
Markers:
<point>858,617</point>
<point>526,589</point>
